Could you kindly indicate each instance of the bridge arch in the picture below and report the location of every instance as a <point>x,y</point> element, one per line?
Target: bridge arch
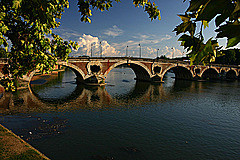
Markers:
<point>79,73</point>
<point>141,71</point>
<point>180,71</point>
<point>231,74</point>
<point>210,73</point>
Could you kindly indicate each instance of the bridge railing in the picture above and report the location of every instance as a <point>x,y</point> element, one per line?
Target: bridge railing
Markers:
<point>127,58</point>
<point>225,65</point>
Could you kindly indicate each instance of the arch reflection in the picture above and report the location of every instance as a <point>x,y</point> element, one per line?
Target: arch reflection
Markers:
<point>96,98</point>
<point>62,94</point>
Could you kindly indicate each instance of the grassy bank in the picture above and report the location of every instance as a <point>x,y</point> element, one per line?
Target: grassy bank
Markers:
<point>13,147</point>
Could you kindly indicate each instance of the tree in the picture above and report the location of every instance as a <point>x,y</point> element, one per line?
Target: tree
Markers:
<point>231,56</point>
<point>226,14</point>
<point>26,36</point>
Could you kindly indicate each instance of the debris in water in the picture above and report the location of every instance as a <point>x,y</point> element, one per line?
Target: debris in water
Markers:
<point>98,157</point>
<point>125,80</point>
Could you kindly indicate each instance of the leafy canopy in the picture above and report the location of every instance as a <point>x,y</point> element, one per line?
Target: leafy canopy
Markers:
<point>26,36</point>
<point>226,14</point>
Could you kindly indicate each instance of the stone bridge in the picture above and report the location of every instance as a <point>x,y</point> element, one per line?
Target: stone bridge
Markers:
<point>94,70</point>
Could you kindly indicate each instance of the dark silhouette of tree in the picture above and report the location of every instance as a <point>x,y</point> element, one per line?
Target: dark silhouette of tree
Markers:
<point>226,14</point>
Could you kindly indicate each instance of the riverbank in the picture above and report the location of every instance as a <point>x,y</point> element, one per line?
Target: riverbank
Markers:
<point>39,79</point>
<point>14,148</point>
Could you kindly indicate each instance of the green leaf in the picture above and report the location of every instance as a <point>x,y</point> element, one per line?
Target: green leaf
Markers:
<point>233,41</point>
<point>195,5</point>
<point>228,30</point>
<point>237,7</point>
<point>185,27</point>
<point>212,8</point>
<point>184,18</point>
<point>16,4</point>
<point>205,24</point>
<point>4,29</point>
<point>227,12</point>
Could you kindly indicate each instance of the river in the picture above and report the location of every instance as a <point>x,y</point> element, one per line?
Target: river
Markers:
<point>127,120</point>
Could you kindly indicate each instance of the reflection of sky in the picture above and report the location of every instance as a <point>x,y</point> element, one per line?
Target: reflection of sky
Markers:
<point>120,81</point>
<point>168,79</point>
<point>60,89</point>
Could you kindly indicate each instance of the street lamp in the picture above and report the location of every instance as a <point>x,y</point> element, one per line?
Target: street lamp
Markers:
<point>140,50</point>
<point>126,51</point>
<point>100,49</point>
<point>91,49</point>
<point>172,52</point>
<point>157,52</point>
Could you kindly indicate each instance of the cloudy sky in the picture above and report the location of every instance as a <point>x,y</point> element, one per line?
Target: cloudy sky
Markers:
<point>124,25</point>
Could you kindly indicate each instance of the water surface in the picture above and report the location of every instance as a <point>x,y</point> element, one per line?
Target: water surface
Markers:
<point>127,120</point>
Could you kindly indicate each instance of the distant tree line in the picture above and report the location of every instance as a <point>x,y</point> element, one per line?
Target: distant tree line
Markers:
<point>229,57</point>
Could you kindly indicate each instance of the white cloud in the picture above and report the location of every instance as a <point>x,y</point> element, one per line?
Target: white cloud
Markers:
<point>141,36</point>
<point>149,44</point>
<point>171,52</point>
<point>114,31</point>
<point>167,37</point>
<point>67,34</point>
<point>88,42</point>
<point>152,37</point>
<point>144,40</point>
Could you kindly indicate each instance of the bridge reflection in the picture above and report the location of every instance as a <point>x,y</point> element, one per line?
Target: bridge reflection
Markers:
<point>96,98</point>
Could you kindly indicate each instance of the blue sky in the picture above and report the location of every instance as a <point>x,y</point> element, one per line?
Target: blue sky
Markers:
<point>125,25</point>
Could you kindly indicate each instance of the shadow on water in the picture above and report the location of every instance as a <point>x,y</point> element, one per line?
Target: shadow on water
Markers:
<point>63,99</point>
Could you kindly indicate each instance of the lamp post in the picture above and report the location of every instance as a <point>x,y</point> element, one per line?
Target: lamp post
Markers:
<point>91,49</point>
<point>126,51</point>
<point>100,49</point>
<point>157,52</point>
<point>172,52</point>
<point>140,50</point>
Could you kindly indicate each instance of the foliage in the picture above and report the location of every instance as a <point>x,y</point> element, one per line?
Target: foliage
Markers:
<point>26,36</point>
<point>28,25</point>
<point>2,53</point>
<point>231,57</point>
<point>226,14</point>
<point>85,7</point>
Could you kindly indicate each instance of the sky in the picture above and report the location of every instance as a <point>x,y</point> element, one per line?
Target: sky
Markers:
<point>125,25</point>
